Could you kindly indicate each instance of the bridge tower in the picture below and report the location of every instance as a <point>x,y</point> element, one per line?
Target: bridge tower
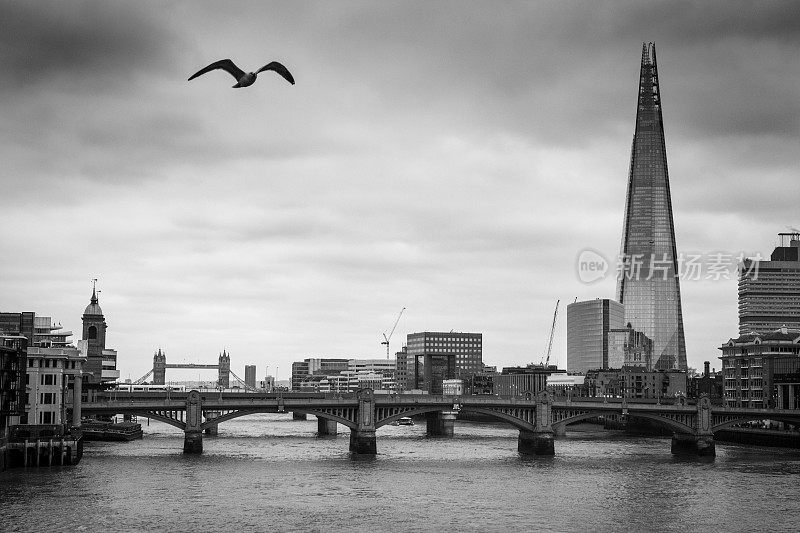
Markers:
<point>159,367</point>
<point>224,380</point>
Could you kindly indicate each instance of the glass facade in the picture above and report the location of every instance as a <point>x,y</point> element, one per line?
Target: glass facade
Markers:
<point>464,350</point>
<point>591,343</point>
<point>648,284</point>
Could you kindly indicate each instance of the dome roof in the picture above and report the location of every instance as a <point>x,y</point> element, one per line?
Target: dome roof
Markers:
<point>93,308</point>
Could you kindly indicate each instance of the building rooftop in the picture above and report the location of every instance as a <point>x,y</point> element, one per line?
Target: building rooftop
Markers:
<point>783,334</point>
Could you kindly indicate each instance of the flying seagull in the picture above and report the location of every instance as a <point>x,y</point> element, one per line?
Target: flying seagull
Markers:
<point>244,79</point>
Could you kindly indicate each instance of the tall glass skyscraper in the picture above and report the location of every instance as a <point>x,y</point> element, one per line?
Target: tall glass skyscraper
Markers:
<point>648,284</point>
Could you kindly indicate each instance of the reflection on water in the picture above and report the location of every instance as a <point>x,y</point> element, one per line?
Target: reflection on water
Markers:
<point>270,472</point>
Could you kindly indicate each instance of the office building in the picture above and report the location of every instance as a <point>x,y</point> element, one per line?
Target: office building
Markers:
<point>591,340</point>
<point>18,324</point>
<point>431,357</point>
<point>762,370</point>
<point>520,380</point>
<point>353,381</point>
<point>54,385</point>
<point>769,291</point>
<point>648,285</point>
<point>635,383</point>
<point>314,368</point>
<point>250,376</point>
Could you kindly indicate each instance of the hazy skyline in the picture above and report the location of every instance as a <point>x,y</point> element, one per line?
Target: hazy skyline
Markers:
<point>453,158</point>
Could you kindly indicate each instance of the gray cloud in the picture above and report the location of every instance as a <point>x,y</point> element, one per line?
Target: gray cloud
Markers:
<point>66,42</point>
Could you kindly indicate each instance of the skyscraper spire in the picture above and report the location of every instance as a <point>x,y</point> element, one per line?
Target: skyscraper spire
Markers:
<point>648,286</point>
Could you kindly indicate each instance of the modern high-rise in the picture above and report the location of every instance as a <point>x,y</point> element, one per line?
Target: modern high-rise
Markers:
<point>769,291</point>
<point>648,285</point>
<point>591,344</point>
<point>433,356</point>
<point>250,375</point>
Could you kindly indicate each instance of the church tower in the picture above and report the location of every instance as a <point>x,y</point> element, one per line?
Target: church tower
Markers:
<point>94,332</point>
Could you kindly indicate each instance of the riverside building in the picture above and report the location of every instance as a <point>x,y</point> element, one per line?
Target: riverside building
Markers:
<point>769,291</point>
<point>762,370</point>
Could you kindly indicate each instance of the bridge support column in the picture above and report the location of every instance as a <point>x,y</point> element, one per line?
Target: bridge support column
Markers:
<point>702,441</point>
<point>213,429</point>
<point>685,444</point>
<point>299,416</point>
<point>440,423</point>
<point>536,443</point>
<point>362,438</point>
<point>326,427</point>
<point>193,433</point>
<point>540,440</point>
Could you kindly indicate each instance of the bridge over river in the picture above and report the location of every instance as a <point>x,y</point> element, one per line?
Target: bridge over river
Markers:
<point>538,418</point>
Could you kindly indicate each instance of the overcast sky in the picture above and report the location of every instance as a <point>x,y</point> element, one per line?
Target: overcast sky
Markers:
<point>453,158</point>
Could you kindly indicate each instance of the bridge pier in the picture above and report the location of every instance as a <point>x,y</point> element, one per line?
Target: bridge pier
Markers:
<point>326,427</point>
<point>193,442</point>
<point>212,430</point>
<point>701,442</point>
<point>540,440</point>
<point>299,416</point>
<point>193,432</point>
<point>362,437</point>
<point>363,442</point>
<point>536,443</point>
<point>685,444</point>
<point>440,423</point>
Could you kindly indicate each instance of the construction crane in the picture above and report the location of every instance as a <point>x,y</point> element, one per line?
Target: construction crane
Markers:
<point>385,338</point>
<point>552,332</point>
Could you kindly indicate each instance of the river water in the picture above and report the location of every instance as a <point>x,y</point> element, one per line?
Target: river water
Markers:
<point>268,472</point>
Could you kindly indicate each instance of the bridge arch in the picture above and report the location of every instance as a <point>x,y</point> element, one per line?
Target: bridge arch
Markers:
<point>328,416</point>
<point>751,418</point>
<point>502,417</point>
<point>228,416</point>
<point>161,418</point>
<point>245,412</point>
<point>672,424</point>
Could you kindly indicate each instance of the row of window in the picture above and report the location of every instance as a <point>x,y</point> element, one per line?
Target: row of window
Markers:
<point>48,363</point>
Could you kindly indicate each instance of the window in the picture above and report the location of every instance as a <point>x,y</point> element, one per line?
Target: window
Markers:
<point>47,398</point>
<point>91,333</point>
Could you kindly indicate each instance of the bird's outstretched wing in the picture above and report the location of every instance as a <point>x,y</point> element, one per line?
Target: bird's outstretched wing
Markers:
<point>224,64</point>
<point>280,69</point>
